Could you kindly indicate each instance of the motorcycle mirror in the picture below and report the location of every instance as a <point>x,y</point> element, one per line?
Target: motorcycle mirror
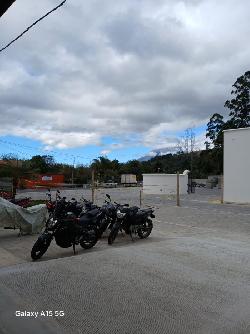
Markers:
<point>58,191</point>
<point>73,198</point>
<point>107,195</point>
<point>48,189</point>
<point>126,204</point>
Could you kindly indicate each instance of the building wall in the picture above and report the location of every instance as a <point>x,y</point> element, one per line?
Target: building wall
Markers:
<point>164,184</point>
<point>237,165</point>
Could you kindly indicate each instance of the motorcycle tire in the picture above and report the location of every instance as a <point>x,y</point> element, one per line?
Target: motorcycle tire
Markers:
<point>144,232</point>
<point>39,249</point>
<point>101,229</point>
<point>112,235</point>
<point>89,241</point>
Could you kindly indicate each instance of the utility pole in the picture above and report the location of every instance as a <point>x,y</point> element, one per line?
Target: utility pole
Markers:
<point>192,143</point>
<point>140,198</point>
<point>72,175</point>
<point>189,148</point>
<point>178,190</point>
<point>93,186</point>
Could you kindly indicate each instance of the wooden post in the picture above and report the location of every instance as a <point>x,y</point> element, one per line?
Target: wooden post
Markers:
<point>222,189</point>
<point>140,197</point>
<point>178,190</point>
<point>93,185</point>
<point>72,175</point>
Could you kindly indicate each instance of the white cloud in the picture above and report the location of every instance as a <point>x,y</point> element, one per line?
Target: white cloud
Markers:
<point>105,152</point>
<point>133,69</point>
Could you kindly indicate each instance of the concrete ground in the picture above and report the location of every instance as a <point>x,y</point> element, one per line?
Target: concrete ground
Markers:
<point>190,276</point>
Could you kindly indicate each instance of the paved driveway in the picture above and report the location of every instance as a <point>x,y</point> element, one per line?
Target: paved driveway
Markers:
<point>190,276</point>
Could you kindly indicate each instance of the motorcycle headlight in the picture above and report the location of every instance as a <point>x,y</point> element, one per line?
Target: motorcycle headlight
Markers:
<point>51,223</point>
<point>120,214</point>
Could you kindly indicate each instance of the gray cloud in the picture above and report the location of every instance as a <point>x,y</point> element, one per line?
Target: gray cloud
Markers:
<point>98,69</point>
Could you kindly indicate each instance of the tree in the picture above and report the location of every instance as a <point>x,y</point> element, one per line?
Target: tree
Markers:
<point>9,157</point>
<point>215,128</point>
<point>106,169</point>
<point>240,104</point>
<point>239,117</point>
<point>42,163</point>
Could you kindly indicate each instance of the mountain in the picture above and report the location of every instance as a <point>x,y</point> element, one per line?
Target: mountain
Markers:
<point>159,152</point>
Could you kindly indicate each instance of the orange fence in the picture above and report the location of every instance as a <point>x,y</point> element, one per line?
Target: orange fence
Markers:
<point>44,181</point>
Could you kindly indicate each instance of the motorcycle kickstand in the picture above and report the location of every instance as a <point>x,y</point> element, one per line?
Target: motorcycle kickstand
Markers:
<point>74,248</point>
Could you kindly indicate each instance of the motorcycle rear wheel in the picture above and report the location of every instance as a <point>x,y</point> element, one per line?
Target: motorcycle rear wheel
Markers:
<point>90,240</point>
<point>145,231</point>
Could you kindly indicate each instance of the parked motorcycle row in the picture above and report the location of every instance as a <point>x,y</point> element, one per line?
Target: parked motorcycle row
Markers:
<point>74,222</point>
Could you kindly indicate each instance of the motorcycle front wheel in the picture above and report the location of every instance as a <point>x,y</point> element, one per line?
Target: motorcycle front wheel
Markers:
<point>39,249</point>
<point>145,230</point>
<point>112,235</point>
<point>102,228</point>
<point>89,239</point>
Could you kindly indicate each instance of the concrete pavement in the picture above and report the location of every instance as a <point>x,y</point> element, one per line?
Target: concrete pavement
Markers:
<point>190,276</point>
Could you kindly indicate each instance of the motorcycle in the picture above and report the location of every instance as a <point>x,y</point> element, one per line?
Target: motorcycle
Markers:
<point>67,229</point>
<point>50,204</point>
<point>109,211</point>
<point>107,214</point>
<point>132,220</point>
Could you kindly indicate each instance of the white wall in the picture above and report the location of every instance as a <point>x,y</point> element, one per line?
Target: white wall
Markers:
<point>237,165</point>
<point>164,183</point>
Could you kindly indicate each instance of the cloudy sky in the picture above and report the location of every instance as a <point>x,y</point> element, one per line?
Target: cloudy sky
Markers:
<point>120,78</point>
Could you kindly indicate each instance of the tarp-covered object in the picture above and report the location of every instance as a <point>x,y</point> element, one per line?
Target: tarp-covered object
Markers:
<point>30,220</point>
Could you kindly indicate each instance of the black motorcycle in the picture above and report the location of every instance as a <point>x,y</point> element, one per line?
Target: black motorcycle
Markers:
<point>132,220</point>
<point>109,215</point>
<point>67,229</point>
<point>87,208</point>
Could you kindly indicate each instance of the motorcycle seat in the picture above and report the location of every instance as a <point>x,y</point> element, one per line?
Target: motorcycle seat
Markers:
<point>93,212</point>
<point>131,211</point>
<point>145,211</point>
<point>86,220</point>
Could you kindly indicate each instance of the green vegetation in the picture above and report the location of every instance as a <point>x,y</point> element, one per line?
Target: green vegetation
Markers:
<point>203,162</point>
<point>239,115</point>
<point>36,202</point>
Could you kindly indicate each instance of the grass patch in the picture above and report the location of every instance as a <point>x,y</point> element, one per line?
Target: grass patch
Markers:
<point>36,202</point>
